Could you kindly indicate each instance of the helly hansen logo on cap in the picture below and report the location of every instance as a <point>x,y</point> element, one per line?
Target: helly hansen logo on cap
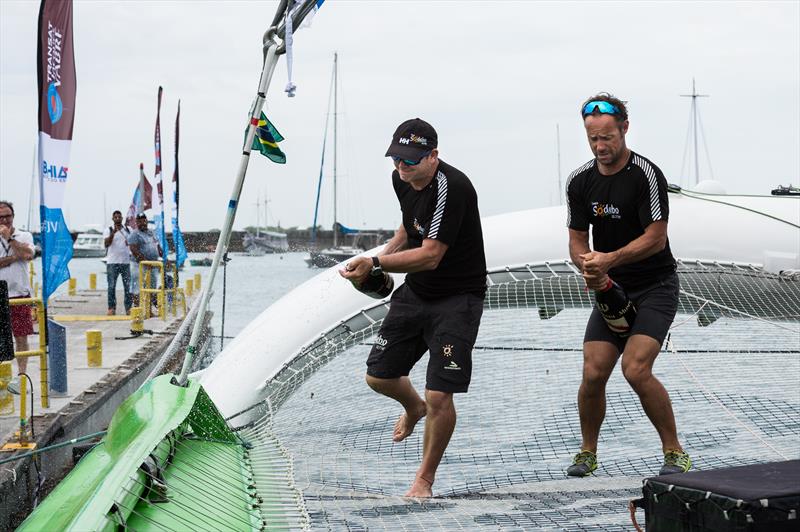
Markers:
<point>416,139</point>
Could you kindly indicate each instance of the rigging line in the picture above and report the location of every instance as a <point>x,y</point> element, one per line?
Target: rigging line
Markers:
<point>176,517</point>
<point>208,485</point>
<point>132,510</point>
<point>741,312</point>
<point>199,511</point>
<point>210,466</point>
<point>716,399</point>
<point>699,195</point>
<point>705,145</point>
<point>690,317</point>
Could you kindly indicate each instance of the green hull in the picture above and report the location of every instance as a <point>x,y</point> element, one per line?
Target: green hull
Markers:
<point>168,461</point>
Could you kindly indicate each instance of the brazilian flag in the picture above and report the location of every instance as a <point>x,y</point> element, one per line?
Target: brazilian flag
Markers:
<point>267,139</point>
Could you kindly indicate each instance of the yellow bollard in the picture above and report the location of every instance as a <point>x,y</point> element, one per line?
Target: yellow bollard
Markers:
<point>137,324</point>
<point>73,283</point>
<point>94,348</point>
<point>92,281</point>
<point>189,287</point>
<point>6,400</point>
<point>197,284</point>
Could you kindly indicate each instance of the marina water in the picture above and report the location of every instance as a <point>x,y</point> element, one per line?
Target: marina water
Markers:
<point>253,284</point>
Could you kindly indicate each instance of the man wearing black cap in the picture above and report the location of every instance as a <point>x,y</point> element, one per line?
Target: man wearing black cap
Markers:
<point>439,307</point>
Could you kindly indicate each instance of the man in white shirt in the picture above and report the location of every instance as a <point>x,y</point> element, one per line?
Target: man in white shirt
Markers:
<point>16,250</point>
<point>117,262</point>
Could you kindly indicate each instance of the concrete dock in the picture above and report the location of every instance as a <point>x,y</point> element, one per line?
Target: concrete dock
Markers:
<point>92,393</point>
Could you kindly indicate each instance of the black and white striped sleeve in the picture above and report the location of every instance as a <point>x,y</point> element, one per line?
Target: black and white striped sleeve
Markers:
<point>448,212</point>
<point>653,200</point>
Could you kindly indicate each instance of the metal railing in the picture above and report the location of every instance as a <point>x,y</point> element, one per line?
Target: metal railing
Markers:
<point>42,351</point>
<point>147,291</point>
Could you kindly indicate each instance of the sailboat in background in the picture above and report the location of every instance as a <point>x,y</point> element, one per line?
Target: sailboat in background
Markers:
<point>263,242</point>
<point>325,258</point>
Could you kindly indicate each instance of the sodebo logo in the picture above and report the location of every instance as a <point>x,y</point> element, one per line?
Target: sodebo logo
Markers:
<point>380,341</point>
<point>604,209</point>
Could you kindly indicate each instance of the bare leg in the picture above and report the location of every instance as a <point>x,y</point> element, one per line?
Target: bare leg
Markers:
<point>22,345</point>
<point>637,366</point>
<point>439,425</point>
<point>599,359</point>
<point>402,391</point>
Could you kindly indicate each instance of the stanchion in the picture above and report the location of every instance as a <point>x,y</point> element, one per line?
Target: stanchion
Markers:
<point>189,287</point>
<point>197,282</point>
<point>92,281</point>
<point>73,284</point>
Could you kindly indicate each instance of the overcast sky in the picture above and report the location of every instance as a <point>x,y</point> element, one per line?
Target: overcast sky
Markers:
<point>495,79</point>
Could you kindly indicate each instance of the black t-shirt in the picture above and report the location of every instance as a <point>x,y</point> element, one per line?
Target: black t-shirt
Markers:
<point>445,210</point>
<point>619,207</point>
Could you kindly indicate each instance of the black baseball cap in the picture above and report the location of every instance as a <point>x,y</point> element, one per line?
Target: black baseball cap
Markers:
<point>141,215</point>
<point>412,139</point>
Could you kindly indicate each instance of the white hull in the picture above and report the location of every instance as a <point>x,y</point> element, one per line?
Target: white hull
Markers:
<point>698,230</point>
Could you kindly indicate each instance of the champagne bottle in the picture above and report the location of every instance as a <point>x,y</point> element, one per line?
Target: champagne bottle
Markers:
<point>378,284</point>
<point>616,308</point>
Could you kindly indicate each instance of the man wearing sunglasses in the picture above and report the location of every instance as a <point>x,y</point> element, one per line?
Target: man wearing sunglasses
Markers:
<point>438,309</point>
<point>623,197</point>
<point>16,251</point>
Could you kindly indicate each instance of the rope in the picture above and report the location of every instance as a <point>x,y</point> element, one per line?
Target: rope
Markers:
<point>55,446</point>
<point>698,195</point>
<point>713,396</point>
<point>735,311</point>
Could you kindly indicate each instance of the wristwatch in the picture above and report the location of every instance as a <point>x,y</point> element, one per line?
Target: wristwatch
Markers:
<point>376,266</point>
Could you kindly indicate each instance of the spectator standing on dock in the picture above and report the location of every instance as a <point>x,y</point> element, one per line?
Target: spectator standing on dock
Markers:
<point>623,196</point>
<point>118,260</point>
<point>439,307</point>
<point>143,245</point>
<point>16,251</point>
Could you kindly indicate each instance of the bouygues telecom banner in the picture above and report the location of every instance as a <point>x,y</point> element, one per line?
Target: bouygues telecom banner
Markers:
<point>57,87</point>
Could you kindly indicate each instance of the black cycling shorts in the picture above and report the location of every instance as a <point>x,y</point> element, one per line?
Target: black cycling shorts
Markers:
<point>446,327</point>
<point>656,306</point>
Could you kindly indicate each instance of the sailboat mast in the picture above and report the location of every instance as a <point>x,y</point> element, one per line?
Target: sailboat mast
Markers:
<point>694,96</point>
<point>335,101</point>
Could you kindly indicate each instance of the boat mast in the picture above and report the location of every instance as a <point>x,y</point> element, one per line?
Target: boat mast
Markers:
<point>335,98</point>
<point>694,96</point>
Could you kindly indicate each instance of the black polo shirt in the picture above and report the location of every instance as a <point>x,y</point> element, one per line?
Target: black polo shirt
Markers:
<point>619,207</point>
<point>445,210</point>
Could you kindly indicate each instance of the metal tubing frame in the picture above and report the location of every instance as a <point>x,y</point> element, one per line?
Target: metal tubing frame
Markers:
<point>270,61</point>
<point>147,266</point>
<point>42,351</point>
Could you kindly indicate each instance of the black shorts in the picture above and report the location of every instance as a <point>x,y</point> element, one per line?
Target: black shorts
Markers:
<point>656,306</point>
<point>446,327</point>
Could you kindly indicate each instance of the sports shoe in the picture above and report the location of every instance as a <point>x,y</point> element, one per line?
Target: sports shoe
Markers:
<point>675,462</point>
<point>583,464</point>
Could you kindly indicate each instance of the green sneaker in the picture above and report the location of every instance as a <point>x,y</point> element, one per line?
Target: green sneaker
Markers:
<point>675,462</point>
<point>583,464</point>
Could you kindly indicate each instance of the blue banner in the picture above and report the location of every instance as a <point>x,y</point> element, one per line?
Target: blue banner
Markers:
<point>57,89</point>
<point>177,237</point>
<point>56,250</point>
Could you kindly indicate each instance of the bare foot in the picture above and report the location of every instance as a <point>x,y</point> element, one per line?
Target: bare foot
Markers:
<point>422,487</point>
<point>405,423</point>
